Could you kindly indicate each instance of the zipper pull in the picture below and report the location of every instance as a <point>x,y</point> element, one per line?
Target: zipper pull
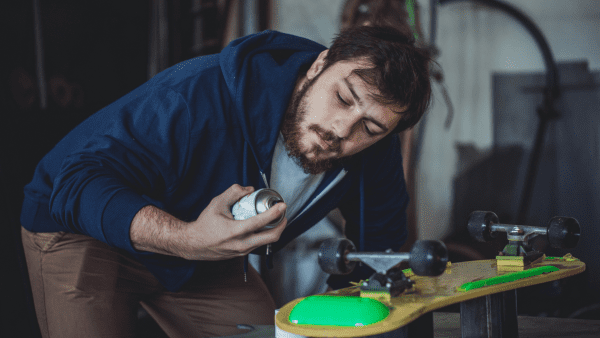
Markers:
<point>264,177</point>
<point>245,268</point>
<point>269,257</point>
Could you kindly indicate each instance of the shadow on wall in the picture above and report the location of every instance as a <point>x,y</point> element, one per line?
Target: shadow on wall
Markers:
<point>485,181</point>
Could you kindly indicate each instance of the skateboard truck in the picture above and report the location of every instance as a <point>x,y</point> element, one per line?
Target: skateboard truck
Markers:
<point>427,258</point>
<point>497,312</point>
<point>562,232</point>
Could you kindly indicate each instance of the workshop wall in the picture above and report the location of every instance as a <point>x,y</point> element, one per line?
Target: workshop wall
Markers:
<point>474,42</point>
<point>318,20</point>
<point>477,45</point>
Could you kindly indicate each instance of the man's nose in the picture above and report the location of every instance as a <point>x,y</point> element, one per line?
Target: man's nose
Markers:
<point>344,125</point>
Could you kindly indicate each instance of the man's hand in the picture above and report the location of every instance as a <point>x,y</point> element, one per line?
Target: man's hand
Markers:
<point>214,236</point>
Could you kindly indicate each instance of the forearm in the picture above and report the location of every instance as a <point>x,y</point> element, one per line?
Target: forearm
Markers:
<point>155,230</point>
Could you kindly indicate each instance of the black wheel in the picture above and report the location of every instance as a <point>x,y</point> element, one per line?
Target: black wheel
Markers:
<point>332,256</point>
<point>563,232</point>
<point>480,224</point>
<point>428,258</point>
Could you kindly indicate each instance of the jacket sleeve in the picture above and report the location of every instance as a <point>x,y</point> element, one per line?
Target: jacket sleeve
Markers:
<point>384,202</point>
<point>129,162</point>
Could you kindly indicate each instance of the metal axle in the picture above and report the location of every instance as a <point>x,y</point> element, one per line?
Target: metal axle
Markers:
<point>379,261</point>
<point>521,233</point>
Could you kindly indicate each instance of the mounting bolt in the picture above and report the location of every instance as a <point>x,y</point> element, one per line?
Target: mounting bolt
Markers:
<point>516,231</point>
<point>516,234</point>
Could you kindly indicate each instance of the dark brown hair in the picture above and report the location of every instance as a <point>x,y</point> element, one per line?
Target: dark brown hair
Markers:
<point>399,69</point>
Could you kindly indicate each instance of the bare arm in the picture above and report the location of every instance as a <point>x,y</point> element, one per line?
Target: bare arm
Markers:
<point>156,231</point>
<point>214,236</point>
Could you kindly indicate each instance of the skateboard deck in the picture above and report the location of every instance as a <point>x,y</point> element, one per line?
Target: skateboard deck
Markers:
<point>460,282</point>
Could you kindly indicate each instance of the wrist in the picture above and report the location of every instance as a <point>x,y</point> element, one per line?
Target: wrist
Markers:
<point>154,230</point>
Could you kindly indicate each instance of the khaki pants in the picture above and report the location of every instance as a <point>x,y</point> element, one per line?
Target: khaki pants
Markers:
<point>84,288</point>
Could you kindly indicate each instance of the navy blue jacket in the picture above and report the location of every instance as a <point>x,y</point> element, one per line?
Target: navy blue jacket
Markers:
<point>187,135</point>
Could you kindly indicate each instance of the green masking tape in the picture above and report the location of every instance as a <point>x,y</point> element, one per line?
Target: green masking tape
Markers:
<point>509,277</point>
<point>338,311</point>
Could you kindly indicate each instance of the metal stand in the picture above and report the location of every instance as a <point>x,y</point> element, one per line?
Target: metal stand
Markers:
<point>422,327</point>
<point>492,316</point>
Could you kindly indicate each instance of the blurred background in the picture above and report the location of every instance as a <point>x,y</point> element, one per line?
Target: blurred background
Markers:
<point>513,127</point>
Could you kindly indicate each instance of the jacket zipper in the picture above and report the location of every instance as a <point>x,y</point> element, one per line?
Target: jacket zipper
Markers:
<point>264,177</point>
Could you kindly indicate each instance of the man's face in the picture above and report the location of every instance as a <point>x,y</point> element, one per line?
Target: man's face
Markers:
<point>333,116</point>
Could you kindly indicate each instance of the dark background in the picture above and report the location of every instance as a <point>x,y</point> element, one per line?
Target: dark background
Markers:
<point>95,52</point>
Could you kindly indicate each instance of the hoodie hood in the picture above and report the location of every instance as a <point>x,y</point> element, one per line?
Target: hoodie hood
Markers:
<point>260,72</point>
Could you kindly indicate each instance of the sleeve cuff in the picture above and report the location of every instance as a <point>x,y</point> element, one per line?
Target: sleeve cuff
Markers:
<point>117,217</point>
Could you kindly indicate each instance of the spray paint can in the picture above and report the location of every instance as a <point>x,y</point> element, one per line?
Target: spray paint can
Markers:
<point>256,203</point>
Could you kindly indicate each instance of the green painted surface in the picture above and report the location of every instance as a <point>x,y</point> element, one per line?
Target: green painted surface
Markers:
<point>412,21</point>
<point>338,311</point>
<point>509,277</point>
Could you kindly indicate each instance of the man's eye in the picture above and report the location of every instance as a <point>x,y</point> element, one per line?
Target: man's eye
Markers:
<point>342,100</point>
<point>368,130</point>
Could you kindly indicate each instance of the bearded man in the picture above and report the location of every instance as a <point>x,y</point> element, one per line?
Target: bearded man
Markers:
<point>134,205</point>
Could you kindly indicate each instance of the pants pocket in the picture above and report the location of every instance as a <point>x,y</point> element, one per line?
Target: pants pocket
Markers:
<point>44,241</point>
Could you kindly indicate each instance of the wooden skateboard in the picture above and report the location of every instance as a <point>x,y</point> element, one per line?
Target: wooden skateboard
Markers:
<point>430,293</point>
<point>393,303</point>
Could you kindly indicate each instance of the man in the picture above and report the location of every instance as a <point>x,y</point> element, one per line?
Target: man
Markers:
<point>133,206</point>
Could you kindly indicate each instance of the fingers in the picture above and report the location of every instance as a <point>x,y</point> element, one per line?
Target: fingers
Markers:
<point>254,240</point>
<point>234,194</point>
<point>261,220</point>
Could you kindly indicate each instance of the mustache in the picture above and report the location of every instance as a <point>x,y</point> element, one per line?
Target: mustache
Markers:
<point>327,136</point>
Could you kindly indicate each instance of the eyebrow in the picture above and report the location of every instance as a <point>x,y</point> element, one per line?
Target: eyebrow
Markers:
<point>357,98</point>
<point>351,87</point>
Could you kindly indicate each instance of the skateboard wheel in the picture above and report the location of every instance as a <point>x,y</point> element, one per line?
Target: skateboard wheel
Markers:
<point>480,225</point>
<point>332,256</point>
<point>428,258</point>
<point>563,232</point>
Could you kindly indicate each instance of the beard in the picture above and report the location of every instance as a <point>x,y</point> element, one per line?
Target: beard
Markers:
<point>292,133</point>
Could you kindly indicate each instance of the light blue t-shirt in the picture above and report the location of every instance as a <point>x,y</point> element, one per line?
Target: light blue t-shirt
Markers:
<point>290,181</point>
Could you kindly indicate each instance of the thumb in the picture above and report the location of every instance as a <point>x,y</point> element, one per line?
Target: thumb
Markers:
<point>261,220</point>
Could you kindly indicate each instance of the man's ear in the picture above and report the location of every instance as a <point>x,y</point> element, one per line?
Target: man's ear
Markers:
<point>317,66</point>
